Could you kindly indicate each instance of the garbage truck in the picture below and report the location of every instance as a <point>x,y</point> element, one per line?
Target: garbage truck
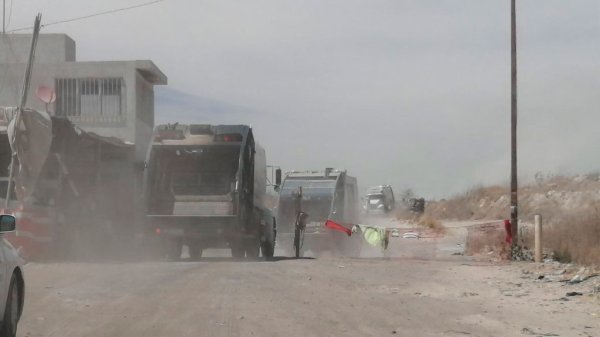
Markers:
<point>328,194</point>
<point>205,187</point>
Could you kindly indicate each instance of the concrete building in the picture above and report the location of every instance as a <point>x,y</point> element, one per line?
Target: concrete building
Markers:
<point>110,98</point>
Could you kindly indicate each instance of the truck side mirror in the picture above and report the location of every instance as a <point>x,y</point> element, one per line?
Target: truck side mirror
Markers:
<point>278,178</point>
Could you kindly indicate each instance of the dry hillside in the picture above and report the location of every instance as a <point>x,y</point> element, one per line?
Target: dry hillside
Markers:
<point>570,207</point>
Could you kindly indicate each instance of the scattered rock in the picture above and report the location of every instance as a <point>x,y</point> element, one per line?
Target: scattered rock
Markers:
<point>541,277</point>
<point>527,331</point>
<point>514,293</point>
<point>574,293</point>
<point>522,254</point>
<point>582,275</point>
<point>468,294</point>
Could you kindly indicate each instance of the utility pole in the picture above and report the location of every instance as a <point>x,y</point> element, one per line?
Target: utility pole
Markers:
<point>22,102</point>
<point>514,202</point>
<point>3,16</point>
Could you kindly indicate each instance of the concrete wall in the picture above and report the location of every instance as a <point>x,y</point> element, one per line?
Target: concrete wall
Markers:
<point>51,48</point>
<point>45,75</point>
<point>145,115</point>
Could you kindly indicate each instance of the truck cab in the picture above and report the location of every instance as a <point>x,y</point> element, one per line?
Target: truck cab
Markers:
<point>379,199</point>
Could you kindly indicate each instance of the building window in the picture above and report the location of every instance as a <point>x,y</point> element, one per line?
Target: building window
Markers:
<point>90,100</point>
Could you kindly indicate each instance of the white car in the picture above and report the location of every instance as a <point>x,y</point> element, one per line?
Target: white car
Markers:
<point>12,283</point>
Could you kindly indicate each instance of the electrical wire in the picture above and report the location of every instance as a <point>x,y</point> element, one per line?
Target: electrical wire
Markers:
<point>91,15</point>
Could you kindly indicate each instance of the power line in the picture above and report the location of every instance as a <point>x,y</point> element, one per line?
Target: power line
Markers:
<point>91,15</point>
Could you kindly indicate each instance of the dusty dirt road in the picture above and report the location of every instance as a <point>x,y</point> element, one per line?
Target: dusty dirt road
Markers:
<point>438,294</point>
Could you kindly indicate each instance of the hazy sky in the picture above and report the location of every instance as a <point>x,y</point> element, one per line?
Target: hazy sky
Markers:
<point>411,93</point>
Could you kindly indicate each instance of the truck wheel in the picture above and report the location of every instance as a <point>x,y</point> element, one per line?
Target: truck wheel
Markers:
<point>237,249</point>
<point>173,249</point>
<point>252,249</point>
<point>267,249</point>
<point>195,251</point>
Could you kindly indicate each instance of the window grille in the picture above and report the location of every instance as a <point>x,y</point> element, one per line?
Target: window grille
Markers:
<point>91,100</point>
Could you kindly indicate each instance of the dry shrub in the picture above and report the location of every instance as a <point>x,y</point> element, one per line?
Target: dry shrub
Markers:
<point>575,237</point>
<point>477,203</point>
<point>570,207</point>
<point>431,223</point>
<point>487,239</point>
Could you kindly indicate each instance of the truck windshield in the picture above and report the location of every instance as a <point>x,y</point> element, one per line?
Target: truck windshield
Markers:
<point>309,187</point>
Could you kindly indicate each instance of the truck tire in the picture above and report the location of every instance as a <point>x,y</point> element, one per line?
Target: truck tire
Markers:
<point>237,249</point>
<point>195,250</point>
<point>11,311</point>
<point>267,249</point>
<point>269,234</point>
<point>173,249</point>
<point>252,249</point>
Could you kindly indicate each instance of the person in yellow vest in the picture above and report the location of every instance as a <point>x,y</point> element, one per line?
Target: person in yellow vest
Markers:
<point>375,236</point>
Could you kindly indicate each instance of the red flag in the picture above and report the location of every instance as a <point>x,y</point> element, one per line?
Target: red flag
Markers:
<point>336,226</point>
<point>508,229</point>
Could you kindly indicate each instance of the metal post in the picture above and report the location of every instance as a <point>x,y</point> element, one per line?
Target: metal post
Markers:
<point>22,102</point>
<point>514,204</point>
<point>538,238</point>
